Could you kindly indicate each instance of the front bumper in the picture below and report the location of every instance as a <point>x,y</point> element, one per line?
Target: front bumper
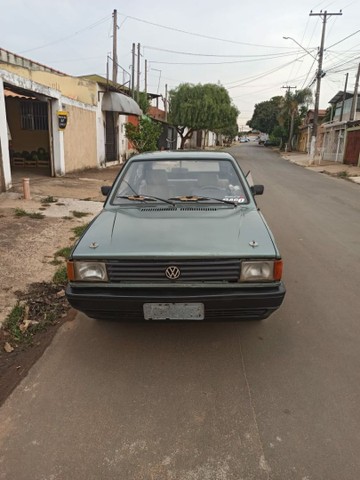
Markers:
<point>220,303</point>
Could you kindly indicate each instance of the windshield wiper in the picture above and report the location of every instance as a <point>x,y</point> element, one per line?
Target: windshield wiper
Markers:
<point>195,198</point>
<point>144,198</point>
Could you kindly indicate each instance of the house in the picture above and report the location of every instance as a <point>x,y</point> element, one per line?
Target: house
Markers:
<point>55,123</point>
<point>115,109</point>
<point>340,138</point>
<point>305,130</point>
<point>169,137</point>
<point>202,139</point>
<point>341,105</point>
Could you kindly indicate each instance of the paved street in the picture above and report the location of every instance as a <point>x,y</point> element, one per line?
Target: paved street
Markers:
<point>275,400</point>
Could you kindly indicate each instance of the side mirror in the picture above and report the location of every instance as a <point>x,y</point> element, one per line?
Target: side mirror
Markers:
<point>257,189</point>
<point>105,189</point>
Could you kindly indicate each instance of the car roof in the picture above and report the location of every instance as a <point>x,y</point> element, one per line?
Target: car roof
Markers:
<point>183,155</point>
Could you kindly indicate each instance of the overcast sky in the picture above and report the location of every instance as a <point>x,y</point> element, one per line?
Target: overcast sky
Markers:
<point>239,44</point>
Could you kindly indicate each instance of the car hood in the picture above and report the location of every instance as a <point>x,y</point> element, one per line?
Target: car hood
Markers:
<point>184,232</point>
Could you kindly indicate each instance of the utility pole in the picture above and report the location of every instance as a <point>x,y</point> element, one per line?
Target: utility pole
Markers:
<point>288,88</point>
<point>145,76</point>
<point>115,62</point>
<point>355,97</point>
<point>344,97</point>
<point>138,73</point>
<point>133,72</point>
<point>319,74</point>
<point>166,102</point>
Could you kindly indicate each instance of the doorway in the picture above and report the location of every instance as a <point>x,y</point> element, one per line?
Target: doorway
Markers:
<point>111,136</point>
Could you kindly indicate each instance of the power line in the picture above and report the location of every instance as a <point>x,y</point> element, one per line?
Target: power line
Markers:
<point>73,59</point>
<point>199,34</point>
<point>89,27</point>
<point>220,63</point>
<point>256,77</point>
<point>307,76</point>
<point>218,56</point>
<point>340,41</point>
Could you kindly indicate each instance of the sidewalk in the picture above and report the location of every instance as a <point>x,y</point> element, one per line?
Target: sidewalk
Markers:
<point>78,191</point>
<point>335,169</point>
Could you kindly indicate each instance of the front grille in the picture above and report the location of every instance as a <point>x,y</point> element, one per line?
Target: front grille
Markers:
<point>225,270</point>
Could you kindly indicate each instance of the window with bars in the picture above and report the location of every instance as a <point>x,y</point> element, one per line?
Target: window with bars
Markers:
<point>34,116</point>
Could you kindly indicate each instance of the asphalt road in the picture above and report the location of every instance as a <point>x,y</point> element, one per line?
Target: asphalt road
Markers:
<point>277,399</point>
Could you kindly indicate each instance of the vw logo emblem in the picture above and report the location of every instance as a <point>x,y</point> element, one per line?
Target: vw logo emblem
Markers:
<point>172,273</point>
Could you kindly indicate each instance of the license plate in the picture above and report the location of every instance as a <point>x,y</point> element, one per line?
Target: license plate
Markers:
<point>174,311</point>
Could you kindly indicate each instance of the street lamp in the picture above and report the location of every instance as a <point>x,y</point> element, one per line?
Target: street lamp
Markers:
<point>319,75</point>
<point>297,43</point>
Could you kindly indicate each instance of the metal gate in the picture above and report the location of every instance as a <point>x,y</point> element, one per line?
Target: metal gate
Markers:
<point>333,145</point>
<point>111,136</point>
<point>352,152</point>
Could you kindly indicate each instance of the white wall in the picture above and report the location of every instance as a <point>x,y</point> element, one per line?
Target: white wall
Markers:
<point>4,142</point>
<point>123,141</point>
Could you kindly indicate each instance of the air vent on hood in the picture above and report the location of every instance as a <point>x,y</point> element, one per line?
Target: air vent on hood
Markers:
<point>181,209</point>
<point>198,209</point>
<point>158,209</point>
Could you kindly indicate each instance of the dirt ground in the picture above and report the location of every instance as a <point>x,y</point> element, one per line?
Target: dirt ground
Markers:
<point>28,246</point>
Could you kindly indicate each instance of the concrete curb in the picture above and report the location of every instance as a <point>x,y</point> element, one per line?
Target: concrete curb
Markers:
<point>335,169</point>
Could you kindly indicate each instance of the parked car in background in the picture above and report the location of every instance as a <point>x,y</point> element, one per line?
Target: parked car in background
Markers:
<point>180,237</point>
<point>270,143</point>
<point>262,138</point>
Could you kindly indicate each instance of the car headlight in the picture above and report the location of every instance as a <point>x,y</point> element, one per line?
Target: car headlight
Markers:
<point>87,271</point>
<point>261,270</point>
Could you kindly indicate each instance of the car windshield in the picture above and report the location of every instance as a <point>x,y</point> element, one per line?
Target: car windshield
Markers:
<point>180,180</point>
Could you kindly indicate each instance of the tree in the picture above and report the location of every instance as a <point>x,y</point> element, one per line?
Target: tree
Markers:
<point>144,102</point>
<point>145,135</point>
<point>328,115</point>
<point>292,107</point>
<point>200,107</point>
<point>265,116</point>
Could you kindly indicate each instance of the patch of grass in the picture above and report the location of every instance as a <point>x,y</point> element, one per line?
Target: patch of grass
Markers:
<point>12,322</point>
<point>63,252</point>
<point>36,215</point>
<point>19,212</point>
<point>66,217</point>
<point>80,230</point>
<point>56,262</point>
<point>79,214</point>
<point>60,276</point>
<point>41,306</point>
<point>49,199</point>
<point>343,174</point>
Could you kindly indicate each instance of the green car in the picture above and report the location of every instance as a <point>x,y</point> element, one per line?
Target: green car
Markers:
<point>180,237</point>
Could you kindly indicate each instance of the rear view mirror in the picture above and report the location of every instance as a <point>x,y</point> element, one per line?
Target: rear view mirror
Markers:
<point>257,189</point>
<point>105,189</point>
